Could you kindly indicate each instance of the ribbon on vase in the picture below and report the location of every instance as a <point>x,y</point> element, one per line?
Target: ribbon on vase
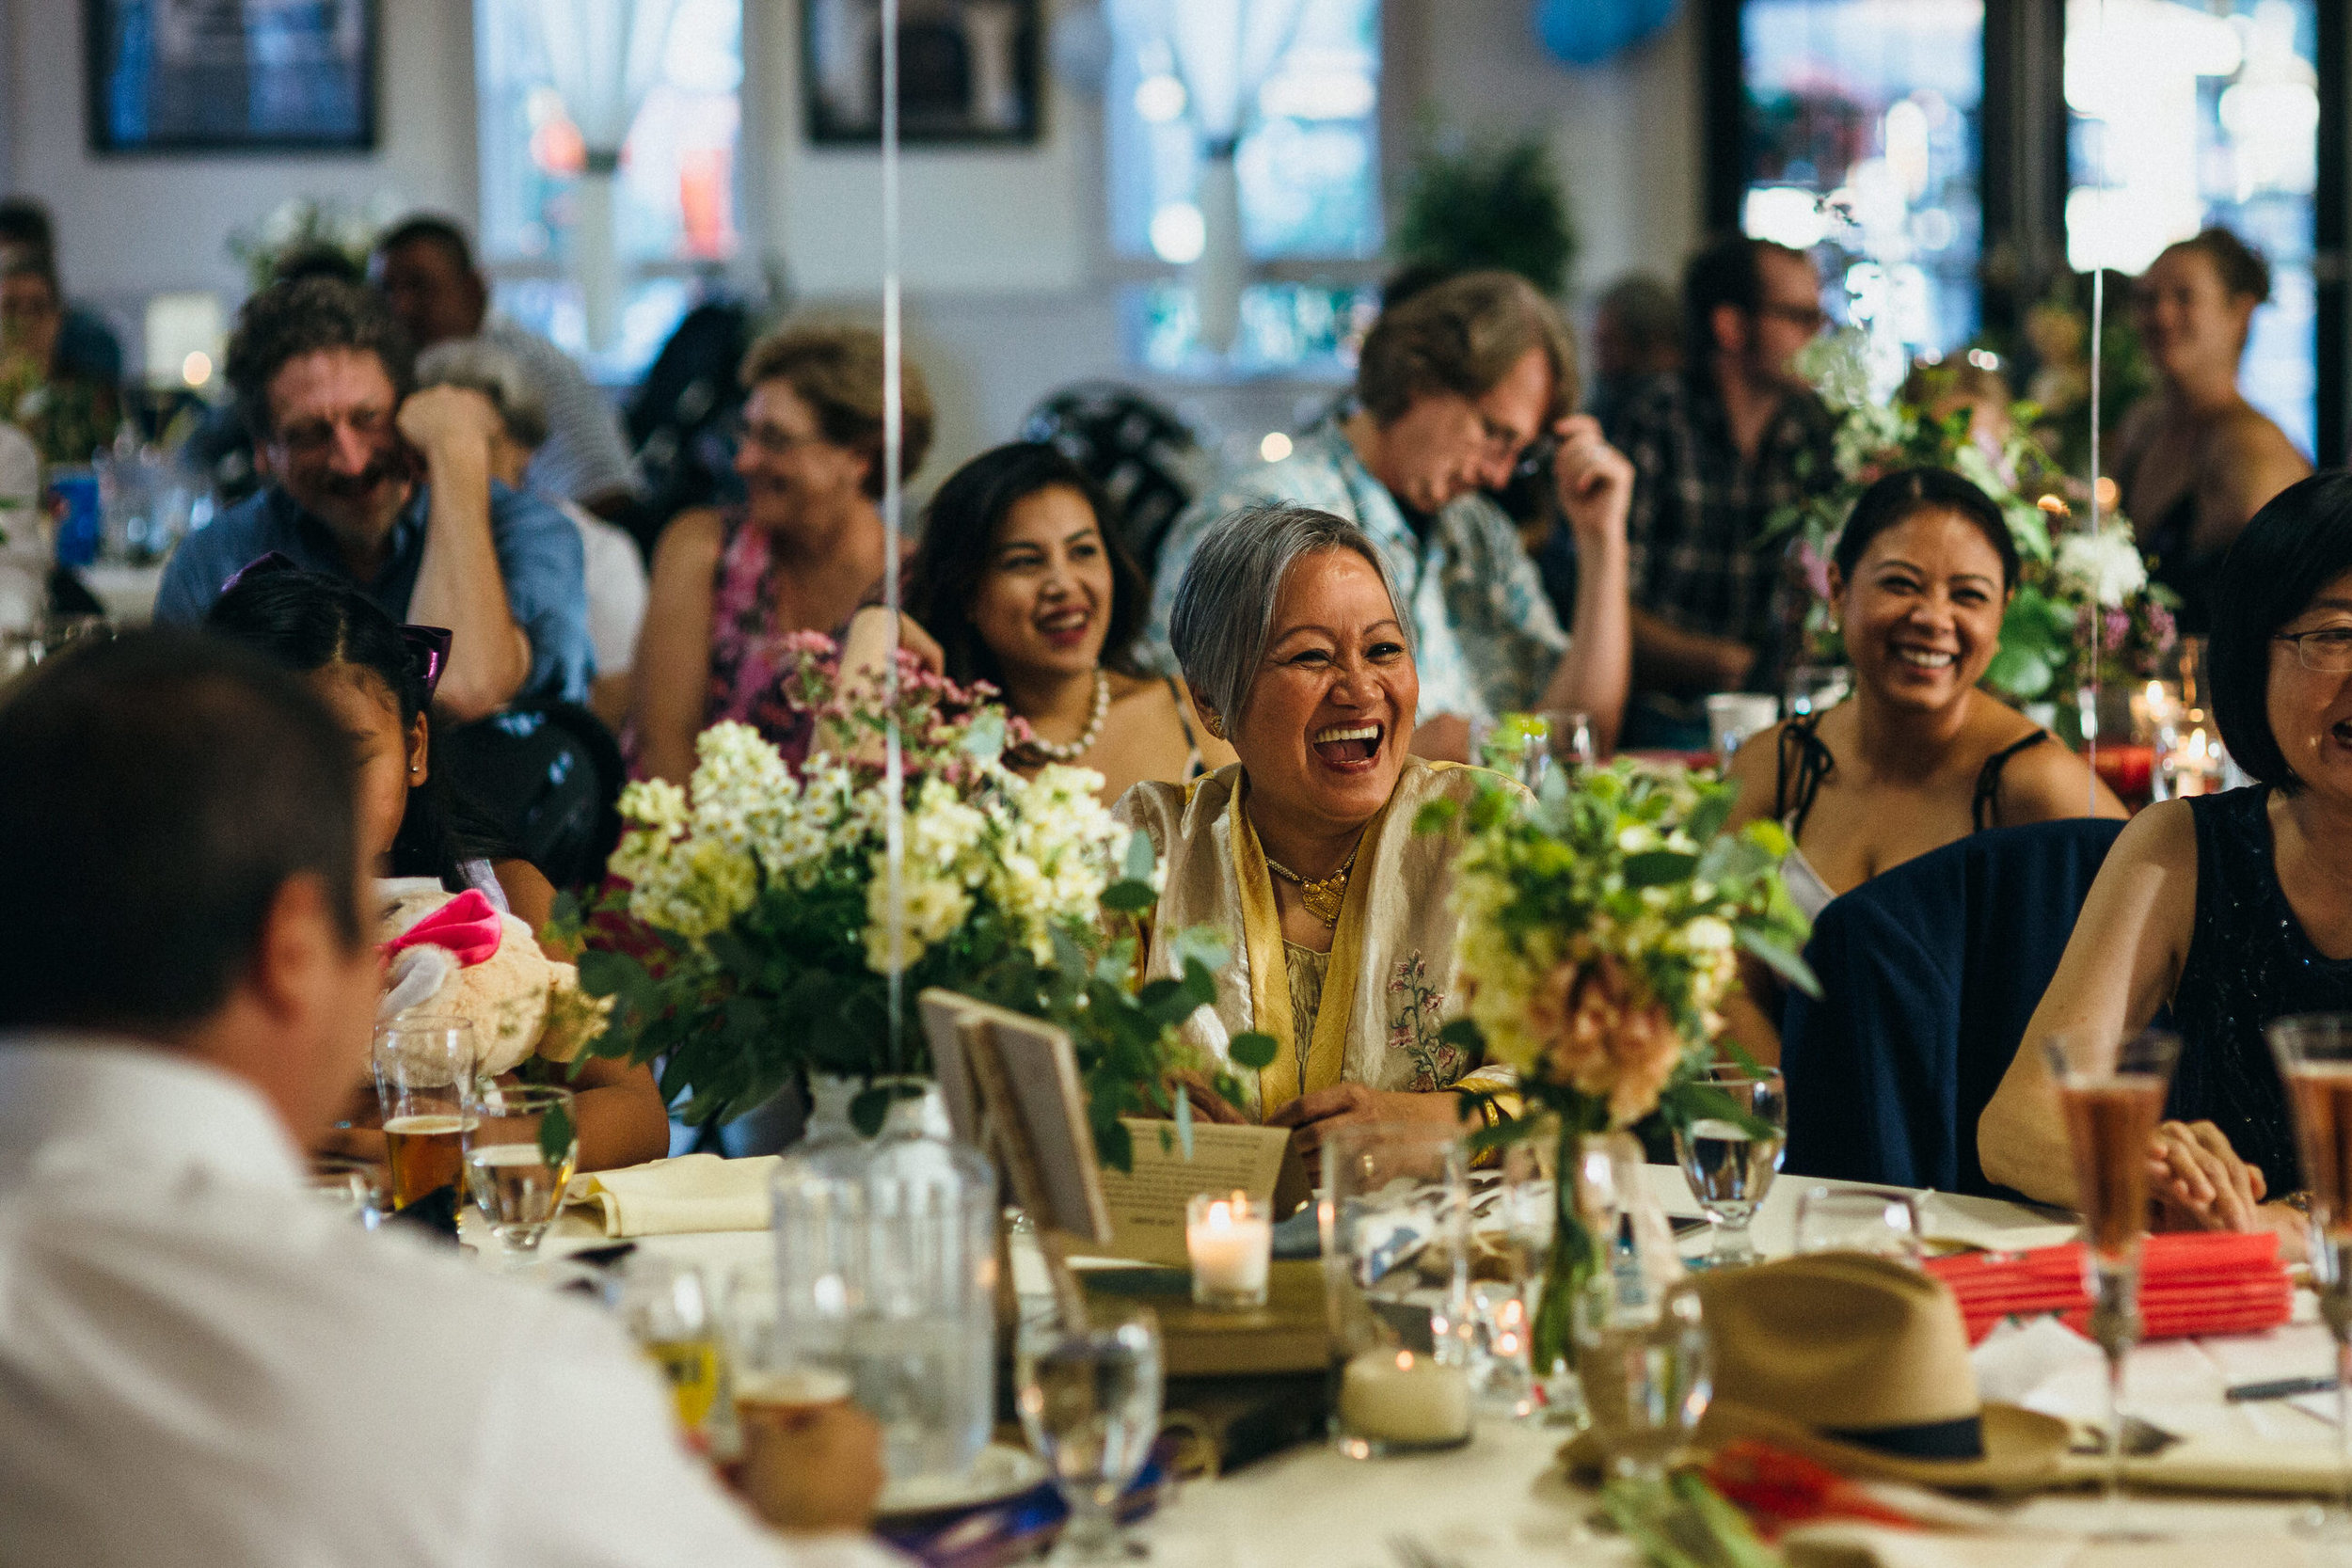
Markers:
<point>467,926</point>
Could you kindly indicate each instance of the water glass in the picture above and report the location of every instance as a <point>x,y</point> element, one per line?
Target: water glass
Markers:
<point>1646,1379</point>
<point>1090,1400</point>
<point>1881,1221</point>
<point>521,1145</point>
<point>1729,1158</point>
<point>1812,689</point>
<point>2314,1055</point>
<point>1513,1225</point>
<point>1395,1222</point>
<point>667,1308</point>
<point>1732,717</point>
<point>424,1066</point>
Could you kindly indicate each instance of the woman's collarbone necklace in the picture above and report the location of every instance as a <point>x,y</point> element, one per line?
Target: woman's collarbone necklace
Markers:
<point>1324,895</point>
<point>1071,750</point>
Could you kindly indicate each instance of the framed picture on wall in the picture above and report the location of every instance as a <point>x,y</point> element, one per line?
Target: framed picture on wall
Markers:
<point>231,75</point>
<point>967,70</point>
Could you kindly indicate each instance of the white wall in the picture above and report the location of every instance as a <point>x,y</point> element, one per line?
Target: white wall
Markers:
<point>1008,295</point>
<point>131,226</point>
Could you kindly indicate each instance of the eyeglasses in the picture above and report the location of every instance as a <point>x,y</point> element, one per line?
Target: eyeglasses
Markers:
<point>1811,317</point>
<point>2328,650</point>
<point>316,435</point>
<point>771,439</point>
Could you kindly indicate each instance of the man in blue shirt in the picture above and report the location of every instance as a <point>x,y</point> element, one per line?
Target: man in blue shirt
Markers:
<point>391,489</point>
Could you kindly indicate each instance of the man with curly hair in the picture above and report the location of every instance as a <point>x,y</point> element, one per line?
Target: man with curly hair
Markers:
<point>390,487</point>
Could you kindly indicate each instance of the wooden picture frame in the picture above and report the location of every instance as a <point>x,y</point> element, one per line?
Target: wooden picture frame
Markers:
<point>177,76</point>
<point>968,71</point>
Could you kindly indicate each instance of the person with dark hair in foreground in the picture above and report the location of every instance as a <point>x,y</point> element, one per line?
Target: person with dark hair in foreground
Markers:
<point>205,1365</point>
<point>379,682</point>
<point>2231,909</point>
<point>2194,458</point>
<point>1024,586</point>
<point>1716,451</point>
<point>1919,755</point>
<point>426,270</point>
<point>391,488</point>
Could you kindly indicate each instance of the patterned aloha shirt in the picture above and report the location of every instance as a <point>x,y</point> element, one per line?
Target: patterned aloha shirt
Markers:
<point>1485,639</point>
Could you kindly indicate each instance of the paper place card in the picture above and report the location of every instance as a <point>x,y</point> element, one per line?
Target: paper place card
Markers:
<point>1148,1204</point>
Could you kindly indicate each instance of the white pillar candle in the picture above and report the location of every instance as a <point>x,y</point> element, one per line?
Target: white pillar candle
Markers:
<point>1228,1241</point>
<point>1394,1396</point>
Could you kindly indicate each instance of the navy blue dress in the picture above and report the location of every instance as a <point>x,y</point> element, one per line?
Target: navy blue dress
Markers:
<point>2249,963</point>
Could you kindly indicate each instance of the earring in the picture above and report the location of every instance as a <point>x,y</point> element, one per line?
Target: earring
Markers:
<point>1215,725</point>
<point>414,770</point>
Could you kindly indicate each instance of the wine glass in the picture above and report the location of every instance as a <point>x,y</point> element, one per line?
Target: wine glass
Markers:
<point>1881,1221</point>
<point>521,1145</point>
<point>1090,1399</point>
<point>1729,1159</point>
<point>2314,1055</point>
<point>2111,1092</point>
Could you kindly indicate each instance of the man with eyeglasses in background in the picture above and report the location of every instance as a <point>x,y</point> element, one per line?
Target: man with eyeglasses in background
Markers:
<point>369,480</point>
<point>1716,451</point>
<point>1459,387</point>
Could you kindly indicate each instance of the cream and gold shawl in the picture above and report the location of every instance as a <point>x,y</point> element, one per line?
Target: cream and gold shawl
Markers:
<point>1391,979</point>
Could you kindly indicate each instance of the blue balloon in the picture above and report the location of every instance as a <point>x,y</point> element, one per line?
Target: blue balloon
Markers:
<point>1587,32</point>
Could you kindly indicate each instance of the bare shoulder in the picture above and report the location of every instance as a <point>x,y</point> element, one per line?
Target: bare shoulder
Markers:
<point>1755,769</point>
<point>2163,836</point>
<point>2246,433</point>
<point>690,543</point>
<point>2049,781</point>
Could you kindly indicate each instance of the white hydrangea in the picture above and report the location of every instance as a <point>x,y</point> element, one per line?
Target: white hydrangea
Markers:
<point>2105,567</point>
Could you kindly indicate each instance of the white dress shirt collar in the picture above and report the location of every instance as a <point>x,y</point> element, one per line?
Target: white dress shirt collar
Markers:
<point>69,1098</point>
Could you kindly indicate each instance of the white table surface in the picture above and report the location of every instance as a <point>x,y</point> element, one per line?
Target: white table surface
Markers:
<point>1502,1498</point>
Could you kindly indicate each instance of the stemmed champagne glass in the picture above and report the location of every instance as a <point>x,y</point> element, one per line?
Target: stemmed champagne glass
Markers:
<point>2314,1055</point>
<point>2111,1092</point>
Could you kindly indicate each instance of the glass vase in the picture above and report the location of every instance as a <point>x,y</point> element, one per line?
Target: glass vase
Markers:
<point>886,1272</point>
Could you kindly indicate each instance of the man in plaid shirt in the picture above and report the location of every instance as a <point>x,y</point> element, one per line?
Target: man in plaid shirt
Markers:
<point>1716,451</point>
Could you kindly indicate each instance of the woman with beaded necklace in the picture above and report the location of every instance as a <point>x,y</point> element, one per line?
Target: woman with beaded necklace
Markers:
<point>1017,583</point>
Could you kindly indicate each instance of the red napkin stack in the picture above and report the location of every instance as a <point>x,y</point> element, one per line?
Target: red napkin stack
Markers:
<point>2190,1283</point>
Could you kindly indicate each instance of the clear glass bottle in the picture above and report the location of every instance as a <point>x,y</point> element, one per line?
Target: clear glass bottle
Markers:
<point>886,1270</point>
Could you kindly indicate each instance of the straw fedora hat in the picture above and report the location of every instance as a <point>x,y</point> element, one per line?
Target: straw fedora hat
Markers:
<point>1862,1363</point>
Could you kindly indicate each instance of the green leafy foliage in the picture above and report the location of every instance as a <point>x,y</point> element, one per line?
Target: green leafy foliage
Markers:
<point>1496,204</point>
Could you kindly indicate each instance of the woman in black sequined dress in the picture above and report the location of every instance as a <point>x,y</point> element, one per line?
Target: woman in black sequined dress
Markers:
<point>2230,909</point>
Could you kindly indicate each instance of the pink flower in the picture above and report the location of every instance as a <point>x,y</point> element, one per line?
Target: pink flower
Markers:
<point>1814,567</point>
<point>1605,1036</point>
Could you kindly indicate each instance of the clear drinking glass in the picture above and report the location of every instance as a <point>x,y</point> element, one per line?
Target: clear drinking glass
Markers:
<point>521,1145</point>
<point>1881,1221</point>
<point>2111,1093</point>
<point>2314,1055</point>
<point>1568,733</point>
<point>424,1066</point>
<point>1811,689</point>
<point>1512,1227</point>
<point>1643,1361</point>
<point>667,1307</point>
<point>1733,716</point>
<point>1395,1223</point>
<point>1090,1399</point>
<point>1730,1162</point>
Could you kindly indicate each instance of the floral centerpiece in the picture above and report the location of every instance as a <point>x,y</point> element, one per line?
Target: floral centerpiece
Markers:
<point>1601,925</point>
<point>2085,609</point>
<point>766,893</point>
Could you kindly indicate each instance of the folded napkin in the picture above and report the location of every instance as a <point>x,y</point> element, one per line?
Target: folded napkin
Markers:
<point>693,1192</point>
<point>2191,1283</point>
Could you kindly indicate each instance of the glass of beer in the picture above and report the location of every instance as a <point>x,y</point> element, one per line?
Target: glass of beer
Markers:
<point>522,1144</point>
<point>667,1308</point>
<point>422,1067</point>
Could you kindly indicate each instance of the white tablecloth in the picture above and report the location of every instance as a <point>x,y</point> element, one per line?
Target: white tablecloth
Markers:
<point>1502,1499</point>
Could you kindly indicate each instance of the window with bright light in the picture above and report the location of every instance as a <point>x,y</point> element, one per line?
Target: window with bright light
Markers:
<point>1295,87</point>
<point>1862,136</point>
<point>675,206</point>
<point>2184,117</point>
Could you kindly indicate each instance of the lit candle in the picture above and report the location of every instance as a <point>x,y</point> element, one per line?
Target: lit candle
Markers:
<point>1228,1240</point>
<point>1395,1397</point>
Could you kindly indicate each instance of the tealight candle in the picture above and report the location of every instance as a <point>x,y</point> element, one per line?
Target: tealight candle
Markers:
<point>1229,1238</point>
<point>1398,1400</point>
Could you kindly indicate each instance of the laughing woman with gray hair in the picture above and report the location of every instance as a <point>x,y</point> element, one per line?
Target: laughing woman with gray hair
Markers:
<point>1287,629</point>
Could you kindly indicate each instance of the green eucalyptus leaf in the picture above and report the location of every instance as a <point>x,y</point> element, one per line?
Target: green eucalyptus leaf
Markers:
<point>1659,868</point>
<point>1129,897</point>
<point>557,1133</point>
<point>1254,1050</point>
<point>1139,858</point>
<point>1463,1032</point>
<point>1780,959</point>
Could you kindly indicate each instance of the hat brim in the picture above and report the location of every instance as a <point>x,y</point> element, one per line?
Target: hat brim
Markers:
<point>2022,1449</point>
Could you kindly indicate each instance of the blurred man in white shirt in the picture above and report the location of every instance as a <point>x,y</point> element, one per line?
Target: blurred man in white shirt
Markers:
<point>198,1364</point>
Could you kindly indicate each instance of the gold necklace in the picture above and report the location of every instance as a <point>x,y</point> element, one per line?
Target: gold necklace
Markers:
<point>1324,895</point>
